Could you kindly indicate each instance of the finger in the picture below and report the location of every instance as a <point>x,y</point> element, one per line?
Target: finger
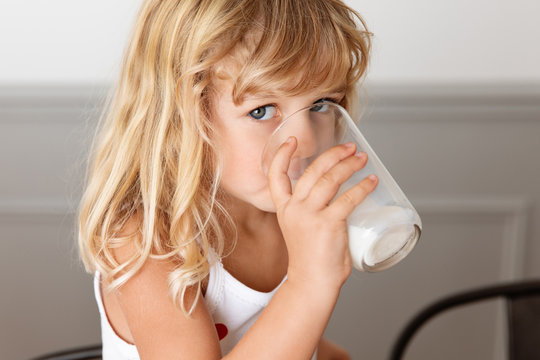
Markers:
<point>278,180</point>
<point>344,205</point>
<point>321,165</point>
<point>327,186</point>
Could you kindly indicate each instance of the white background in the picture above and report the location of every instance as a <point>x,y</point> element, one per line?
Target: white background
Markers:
<point>433,41</point>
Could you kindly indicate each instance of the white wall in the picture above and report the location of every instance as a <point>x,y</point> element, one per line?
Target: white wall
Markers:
<point>76,41</point>
<point>453,40</point>
<point>63,41</point>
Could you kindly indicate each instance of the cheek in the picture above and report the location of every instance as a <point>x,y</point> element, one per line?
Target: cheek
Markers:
<point>242,161</point>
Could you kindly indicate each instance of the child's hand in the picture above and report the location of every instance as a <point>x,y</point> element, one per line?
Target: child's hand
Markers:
<point>314,231</point>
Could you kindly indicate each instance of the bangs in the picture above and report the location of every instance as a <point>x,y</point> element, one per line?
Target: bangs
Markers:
<point>298,46</point>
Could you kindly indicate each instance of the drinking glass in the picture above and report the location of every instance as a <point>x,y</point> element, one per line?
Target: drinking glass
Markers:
<point>385,227</point>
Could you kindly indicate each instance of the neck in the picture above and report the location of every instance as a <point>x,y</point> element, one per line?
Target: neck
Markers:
<point>248,219</point>
<point>259,258</point>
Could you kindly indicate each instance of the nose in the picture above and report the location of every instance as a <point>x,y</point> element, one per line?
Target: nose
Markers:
<point>302,127</point>
<point>314,132</point>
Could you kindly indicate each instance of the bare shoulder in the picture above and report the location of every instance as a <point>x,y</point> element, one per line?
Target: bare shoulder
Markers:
<point>156,325</point>
<point>111,302</point>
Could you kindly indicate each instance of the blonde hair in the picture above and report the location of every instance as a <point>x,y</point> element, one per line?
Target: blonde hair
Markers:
<point>153,153</point>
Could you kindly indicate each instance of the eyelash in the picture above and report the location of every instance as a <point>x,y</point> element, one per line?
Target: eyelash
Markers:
<point>325,99</point>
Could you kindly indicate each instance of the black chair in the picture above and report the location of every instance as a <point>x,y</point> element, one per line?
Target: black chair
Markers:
<point>523,317</point>
<point>92,352</point>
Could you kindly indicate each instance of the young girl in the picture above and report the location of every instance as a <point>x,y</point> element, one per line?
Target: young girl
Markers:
<point>198,254</point>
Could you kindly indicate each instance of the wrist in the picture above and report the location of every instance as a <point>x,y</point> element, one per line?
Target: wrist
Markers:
<point>318,288</point>
<point>327,281</point>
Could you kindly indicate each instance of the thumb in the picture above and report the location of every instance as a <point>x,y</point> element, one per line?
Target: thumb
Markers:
<point>278,180</point>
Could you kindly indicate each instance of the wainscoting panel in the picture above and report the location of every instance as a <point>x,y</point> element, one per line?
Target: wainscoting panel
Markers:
<point>47,301</point>
<point>466,155</point>
<point>466,243</point>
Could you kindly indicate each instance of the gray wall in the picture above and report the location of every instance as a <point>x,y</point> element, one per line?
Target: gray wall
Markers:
<point>466,155</point>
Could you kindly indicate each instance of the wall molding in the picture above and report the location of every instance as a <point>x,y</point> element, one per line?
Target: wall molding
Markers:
<point>520,99</point>
<point>51,97</point>
<point>470,95</point>
<point>38,208</point>
<point>515,211</point>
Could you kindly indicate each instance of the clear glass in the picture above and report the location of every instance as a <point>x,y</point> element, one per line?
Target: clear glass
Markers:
<point>385,227</point>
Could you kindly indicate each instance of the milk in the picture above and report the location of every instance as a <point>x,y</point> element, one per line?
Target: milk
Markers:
<point>379,238</point>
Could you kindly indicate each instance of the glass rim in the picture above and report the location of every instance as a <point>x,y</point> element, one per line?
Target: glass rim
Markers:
<point>288,117</point>
<point>286,120</point>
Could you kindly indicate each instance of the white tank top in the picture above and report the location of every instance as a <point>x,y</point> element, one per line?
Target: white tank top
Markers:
<point>233,306</point>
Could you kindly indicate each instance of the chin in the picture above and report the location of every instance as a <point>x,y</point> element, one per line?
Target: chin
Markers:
<point>264,204</point>
<point>268,208</point>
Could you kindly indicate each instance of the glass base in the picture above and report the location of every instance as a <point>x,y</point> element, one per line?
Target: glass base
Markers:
<point>387,251</point>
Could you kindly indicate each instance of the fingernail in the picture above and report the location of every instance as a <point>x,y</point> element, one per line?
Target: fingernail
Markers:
<point>349,145</point>
<point>289,140</point>
<point>360,154</point>
<point>372,177</point>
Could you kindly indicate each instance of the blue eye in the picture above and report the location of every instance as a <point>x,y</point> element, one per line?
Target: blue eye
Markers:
<point>266,112</point>
<point>322,107</point>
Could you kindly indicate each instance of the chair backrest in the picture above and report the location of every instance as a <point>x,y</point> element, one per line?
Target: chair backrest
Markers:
<point>523,313</point>
<point>524,327</point>
<point>92,352</point>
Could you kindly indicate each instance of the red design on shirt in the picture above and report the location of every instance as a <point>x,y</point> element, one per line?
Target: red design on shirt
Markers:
<point>222,330</point>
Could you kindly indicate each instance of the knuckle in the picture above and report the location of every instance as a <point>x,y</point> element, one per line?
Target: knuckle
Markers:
<point>309,170</point>
<point>327,178</point>
<point>361,192</point>
<point>348,198</point>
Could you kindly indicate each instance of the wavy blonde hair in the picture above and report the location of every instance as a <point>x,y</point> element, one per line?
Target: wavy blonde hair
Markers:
<point>153,152</point>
